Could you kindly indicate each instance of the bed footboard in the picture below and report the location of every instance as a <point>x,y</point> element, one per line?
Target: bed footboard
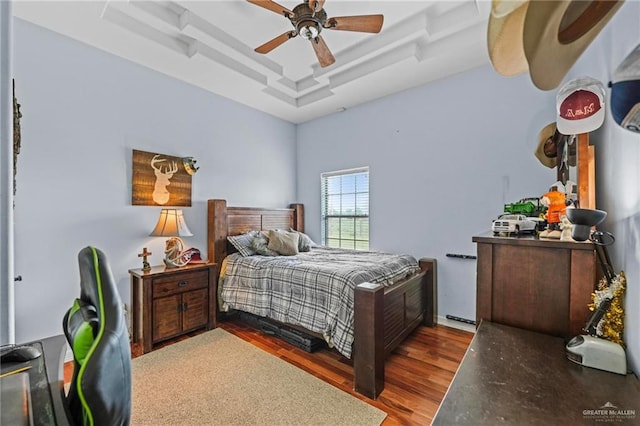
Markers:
<point>383,317</point>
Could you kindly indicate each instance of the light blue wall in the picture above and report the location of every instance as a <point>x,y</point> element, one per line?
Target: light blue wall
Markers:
<point>83,112</point>
<point>618,169</point>
<point>445,157</point>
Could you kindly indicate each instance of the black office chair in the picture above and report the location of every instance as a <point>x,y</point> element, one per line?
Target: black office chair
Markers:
<point>95,327</point>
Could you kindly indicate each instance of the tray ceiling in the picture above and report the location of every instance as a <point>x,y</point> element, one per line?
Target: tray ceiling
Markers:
<point>210,44</point>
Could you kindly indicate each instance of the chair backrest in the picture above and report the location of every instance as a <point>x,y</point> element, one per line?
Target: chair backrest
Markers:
<point>95,327</point>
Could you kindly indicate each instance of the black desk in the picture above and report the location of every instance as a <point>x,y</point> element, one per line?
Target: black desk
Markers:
<point>518,377</point>
<point>45,379</point>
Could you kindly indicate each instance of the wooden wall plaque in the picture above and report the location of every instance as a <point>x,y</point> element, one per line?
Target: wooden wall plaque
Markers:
<point>159,180</point>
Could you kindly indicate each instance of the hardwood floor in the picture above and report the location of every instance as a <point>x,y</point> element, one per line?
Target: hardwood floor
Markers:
<point>417,374</point>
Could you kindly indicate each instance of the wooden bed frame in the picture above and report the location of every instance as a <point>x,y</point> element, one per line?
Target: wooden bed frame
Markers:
<point>384,316</point>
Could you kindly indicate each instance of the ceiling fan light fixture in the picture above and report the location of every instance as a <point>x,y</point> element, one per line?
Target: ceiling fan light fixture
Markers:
<point>308,30</point>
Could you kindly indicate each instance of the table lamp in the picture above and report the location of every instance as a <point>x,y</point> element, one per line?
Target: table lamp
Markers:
<point>171,224</point>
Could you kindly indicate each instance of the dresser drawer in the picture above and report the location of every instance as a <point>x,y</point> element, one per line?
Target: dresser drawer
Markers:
<point>178,283</point>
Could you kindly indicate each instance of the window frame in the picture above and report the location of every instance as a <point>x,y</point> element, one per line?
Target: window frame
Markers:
<point>358,243</point>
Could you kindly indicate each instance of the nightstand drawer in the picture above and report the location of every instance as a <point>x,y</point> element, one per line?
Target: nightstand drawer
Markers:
<point>178,283</point>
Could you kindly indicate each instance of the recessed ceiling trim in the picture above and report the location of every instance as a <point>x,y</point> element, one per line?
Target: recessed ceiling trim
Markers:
<point>375,64</point>
<point>454,19</point>
<point>414,26</point>
<point>192,43</point>
<point>219,57</point>
<point>280,96</point>
<point>314,96</point>
<point>306,83</point>
<point>204,27</point>
<point>133,25</point>
<point>288,83</point>
<point>210,44</point>
<point>192,25</point>
<point>186,22</point>
<point>157,10</point>
<point>443,46</point>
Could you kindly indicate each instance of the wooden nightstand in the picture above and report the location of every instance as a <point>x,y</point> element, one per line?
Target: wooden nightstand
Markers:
<point>169,302</point>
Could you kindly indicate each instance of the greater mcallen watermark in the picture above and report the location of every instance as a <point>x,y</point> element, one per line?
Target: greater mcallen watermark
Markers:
<point>609,413</point>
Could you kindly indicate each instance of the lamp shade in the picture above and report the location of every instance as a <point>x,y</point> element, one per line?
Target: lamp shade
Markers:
<point>171,224</point>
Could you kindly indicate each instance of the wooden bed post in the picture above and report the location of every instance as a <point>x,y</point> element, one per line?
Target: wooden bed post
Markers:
<point>368,346</point>
<point>298,216</point>
<point>429,266</point>
<point>216,246</point>
<point>216,230</point>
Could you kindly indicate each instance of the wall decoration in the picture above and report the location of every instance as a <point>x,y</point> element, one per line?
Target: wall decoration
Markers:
<point>17,115</point>
<point>159,180</point>
<point>190,165</point>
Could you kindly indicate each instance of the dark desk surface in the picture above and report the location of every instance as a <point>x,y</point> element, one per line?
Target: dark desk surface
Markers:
<point>46,383</point>
<point>517,377</point>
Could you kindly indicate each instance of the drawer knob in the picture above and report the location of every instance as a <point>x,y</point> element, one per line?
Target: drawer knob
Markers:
<point>182,283</point>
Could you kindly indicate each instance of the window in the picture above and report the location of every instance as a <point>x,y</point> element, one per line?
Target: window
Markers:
<point>345,208</point>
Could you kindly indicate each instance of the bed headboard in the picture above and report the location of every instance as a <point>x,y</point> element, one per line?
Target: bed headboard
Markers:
<point>223,221</point>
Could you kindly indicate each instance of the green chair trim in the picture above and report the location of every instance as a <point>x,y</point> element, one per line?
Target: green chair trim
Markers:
<point>86,412</point>
<point>82,322</point>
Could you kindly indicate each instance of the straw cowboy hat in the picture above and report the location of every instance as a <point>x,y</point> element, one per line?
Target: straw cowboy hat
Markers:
<point>504,36</point>
<point>547,149</point>
<point>556,33</point>
<point>544,37</point>
<point>552,143</point>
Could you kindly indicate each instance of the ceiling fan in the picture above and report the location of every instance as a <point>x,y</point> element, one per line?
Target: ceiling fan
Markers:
<point>309,19</point>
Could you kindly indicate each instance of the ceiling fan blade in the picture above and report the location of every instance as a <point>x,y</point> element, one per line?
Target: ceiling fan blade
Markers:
<point>362,23</point>
<point>272,44</point>
<point>316,5</point>
<point>325,57</point>
<point>273,6</point>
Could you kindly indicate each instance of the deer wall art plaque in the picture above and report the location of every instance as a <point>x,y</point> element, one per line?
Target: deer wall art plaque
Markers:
<point>159,180</point>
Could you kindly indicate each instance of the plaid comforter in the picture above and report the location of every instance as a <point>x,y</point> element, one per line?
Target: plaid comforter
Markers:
<point>313,289</point>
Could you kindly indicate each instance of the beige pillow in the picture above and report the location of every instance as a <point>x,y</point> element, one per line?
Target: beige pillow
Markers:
<point>283,242</point>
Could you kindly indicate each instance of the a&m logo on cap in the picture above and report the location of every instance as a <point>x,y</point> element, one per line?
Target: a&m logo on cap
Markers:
<point>580,104</point>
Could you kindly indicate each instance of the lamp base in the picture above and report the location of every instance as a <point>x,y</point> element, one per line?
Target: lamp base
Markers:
<point>173,253</point>
<point>176,256</point>
<point>168,264</point>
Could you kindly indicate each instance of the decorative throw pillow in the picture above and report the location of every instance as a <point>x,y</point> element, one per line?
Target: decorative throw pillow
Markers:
<point>260,245</point>
<point>284,242</point>
<point>304,241</point>
<point>242,242</point>
<point>82,326</point>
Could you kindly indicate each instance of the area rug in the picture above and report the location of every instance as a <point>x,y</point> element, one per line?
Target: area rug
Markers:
<point>216,378</point>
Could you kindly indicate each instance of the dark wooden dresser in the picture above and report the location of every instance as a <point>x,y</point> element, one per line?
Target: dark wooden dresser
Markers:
<point>539,285</point>
<point>511,376</point>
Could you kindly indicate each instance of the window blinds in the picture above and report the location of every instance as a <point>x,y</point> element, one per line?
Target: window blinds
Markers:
<point>345,208</point>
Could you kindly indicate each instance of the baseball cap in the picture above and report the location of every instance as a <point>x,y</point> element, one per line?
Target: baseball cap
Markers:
<point>625,92</point>
<point>580,106</point>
